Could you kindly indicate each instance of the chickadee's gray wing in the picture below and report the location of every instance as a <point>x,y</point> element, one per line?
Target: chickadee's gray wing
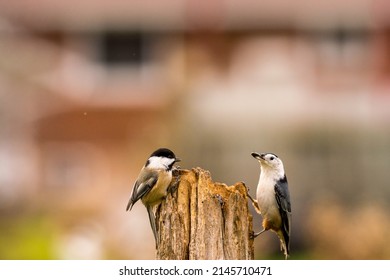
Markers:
<point>282,196</point>
<point>142,186</point>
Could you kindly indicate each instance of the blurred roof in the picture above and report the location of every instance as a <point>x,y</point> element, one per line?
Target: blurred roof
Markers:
<point>192,14</point>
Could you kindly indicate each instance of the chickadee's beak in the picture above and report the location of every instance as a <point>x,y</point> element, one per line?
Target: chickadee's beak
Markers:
<point>258,156</point>
<point>177,159</point>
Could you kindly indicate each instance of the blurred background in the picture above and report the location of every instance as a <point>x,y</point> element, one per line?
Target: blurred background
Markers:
<point>88,89</point>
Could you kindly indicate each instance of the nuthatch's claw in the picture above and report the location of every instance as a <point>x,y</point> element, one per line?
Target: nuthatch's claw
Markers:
<point>253,235</point>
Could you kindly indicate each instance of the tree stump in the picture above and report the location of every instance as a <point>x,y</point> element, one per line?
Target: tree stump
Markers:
<point>203,220</point>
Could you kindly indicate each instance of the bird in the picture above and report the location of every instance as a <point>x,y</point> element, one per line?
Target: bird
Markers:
<point>273,199</point>
<point>152,183</point>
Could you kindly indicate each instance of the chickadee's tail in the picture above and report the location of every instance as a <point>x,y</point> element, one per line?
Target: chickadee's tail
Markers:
<point>152,220</point>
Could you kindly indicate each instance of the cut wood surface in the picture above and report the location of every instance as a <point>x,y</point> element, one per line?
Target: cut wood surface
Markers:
<point>204,220</point>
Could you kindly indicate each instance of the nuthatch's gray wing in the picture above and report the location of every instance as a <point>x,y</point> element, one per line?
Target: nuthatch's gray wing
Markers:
<point>282,196</point>
<point>142,186</point>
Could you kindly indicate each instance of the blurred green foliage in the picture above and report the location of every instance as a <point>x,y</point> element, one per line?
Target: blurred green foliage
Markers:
<point>27,237</point>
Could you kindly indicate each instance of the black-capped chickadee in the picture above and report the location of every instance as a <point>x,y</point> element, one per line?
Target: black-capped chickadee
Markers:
<point>153,182</point>
<point>273,199</point>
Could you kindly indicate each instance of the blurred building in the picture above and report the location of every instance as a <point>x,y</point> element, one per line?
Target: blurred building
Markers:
<point>87,90</point>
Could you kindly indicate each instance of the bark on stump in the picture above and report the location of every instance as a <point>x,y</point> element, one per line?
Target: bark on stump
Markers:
<point>204,220</point>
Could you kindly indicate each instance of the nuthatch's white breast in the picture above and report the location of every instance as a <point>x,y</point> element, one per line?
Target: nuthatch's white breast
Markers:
<point>152,183</point>
<point>273,199</point>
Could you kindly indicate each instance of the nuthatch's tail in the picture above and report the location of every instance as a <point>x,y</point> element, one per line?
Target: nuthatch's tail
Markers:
<point>284,242</point>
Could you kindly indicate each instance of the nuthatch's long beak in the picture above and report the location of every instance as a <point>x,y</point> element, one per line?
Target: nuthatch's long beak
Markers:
<point>258,156</point>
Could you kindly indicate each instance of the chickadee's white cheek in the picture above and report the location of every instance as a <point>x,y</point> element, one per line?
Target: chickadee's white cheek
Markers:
<point>156,162</point>
<point>168,161</point>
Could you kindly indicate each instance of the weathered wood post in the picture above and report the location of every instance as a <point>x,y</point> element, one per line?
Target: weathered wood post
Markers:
<point>204,220</point>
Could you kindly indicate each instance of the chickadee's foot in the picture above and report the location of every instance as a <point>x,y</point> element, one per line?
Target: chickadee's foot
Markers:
<point>174,185</point>
<point>220,199</point>
<point>176,169</point>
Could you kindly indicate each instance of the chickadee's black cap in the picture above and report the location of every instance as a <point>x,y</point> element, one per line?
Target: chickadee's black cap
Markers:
<point>163,152</point>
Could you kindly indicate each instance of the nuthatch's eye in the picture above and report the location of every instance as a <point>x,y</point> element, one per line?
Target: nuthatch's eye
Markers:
<point>271,158</point>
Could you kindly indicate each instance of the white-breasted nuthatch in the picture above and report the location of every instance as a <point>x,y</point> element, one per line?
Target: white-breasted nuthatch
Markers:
<point>273,199</point>
<point>152,183</point>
